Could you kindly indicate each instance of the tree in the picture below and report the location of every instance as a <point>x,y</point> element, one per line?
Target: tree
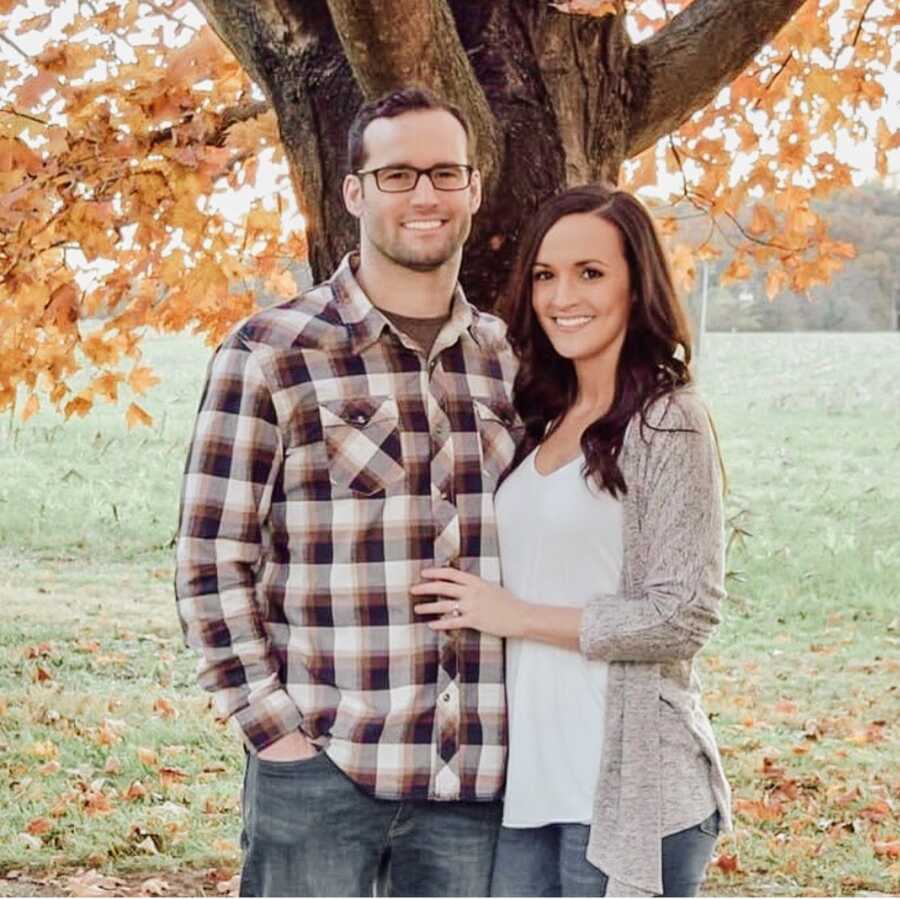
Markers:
<point>117,141</point>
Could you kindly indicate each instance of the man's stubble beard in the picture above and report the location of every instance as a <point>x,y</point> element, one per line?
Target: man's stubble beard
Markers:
<point>440,256</point>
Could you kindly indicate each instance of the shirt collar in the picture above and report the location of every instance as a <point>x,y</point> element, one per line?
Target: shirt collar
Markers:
<point>366,323</point>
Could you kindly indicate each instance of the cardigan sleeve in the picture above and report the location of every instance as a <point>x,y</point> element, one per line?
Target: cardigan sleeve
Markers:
<point>677,544</point>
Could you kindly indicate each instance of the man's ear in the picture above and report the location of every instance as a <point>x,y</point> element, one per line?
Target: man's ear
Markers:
<point>475,192</point>
<point>353,195</point>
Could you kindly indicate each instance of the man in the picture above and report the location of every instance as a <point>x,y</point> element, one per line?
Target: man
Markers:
<point>347,440</point>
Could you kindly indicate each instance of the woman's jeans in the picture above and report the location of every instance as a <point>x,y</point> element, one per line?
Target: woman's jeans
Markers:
<point>550,861</point>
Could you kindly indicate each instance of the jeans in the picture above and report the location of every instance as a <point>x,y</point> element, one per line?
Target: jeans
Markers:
<point>308,830</point>
<point>550,861</point>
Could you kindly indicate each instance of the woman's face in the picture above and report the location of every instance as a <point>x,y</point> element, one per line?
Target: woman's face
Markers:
<point>581,291</point>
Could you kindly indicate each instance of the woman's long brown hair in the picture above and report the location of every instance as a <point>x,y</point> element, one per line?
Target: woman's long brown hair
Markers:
<point>650,364</point>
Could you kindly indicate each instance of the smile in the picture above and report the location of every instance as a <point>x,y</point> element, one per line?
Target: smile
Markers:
<point>424,224</point>
<point>572,322</point>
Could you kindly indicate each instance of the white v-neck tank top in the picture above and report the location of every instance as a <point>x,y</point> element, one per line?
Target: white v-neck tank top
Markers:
<point>560,544</point>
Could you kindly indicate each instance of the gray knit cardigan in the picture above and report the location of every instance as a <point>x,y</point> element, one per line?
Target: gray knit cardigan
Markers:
<point>659,761</point>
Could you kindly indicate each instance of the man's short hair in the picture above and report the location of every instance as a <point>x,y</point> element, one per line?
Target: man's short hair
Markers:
<point>389,105</point>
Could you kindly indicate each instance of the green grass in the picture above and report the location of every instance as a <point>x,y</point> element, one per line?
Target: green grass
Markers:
<point>801,672</point>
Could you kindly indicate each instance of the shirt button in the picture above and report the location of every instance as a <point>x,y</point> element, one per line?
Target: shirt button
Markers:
<point>445,697</point>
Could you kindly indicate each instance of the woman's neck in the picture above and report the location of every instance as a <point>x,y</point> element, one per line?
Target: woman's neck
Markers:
<point>595,384</point>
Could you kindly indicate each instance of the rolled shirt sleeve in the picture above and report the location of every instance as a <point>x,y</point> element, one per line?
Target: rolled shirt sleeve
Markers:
<point>233,463</point>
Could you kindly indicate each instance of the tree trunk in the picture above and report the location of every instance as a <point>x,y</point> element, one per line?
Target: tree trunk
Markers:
<point>555,99</point>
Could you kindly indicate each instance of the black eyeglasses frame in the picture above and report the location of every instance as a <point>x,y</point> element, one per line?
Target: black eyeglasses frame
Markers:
<point>469,169</point>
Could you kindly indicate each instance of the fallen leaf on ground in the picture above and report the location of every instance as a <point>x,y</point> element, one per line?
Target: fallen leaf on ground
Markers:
<point>758,811</point>
<point>169,775</point>
<point>877,811</point>
<point>147,756</point>
<point>729,864</point>
<point>154,886</point>
<point>38,826</point>
<point>39,651</point>
<point>887,848</point>
<point>165,709</point>
<point>136,791</point>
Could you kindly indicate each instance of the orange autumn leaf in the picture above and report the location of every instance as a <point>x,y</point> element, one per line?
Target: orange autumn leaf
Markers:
<point>147,756</point>
<point>79,405</point>
<point>106,734</point>
<point>877,811</point>
<point>763,221</point>
<point>141,378</point>
<point>164,708</point>
<point>95,802</point>
<point>758,811</point>
<point>737,270</point>
<point>135,792</point>
<point>887,848</point>
<point>39,650</point>
<point>135,416</point>
<point>38,827</point>
<point>728,864</point>
<point>42,674</point>
<point>169,775</point>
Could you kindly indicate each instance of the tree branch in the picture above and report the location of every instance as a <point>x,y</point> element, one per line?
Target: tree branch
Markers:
<point>390,43</point>
<point>684,65</point>
<point>243,112</point>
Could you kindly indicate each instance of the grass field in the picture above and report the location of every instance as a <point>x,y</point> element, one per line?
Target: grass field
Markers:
<point>110,757</point>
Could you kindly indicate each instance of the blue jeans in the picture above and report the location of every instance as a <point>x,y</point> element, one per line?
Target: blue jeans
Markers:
<point>550,861</point>
<point>310,831</point>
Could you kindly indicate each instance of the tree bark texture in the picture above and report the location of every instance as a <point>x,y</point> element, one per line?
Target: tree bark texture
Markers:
<point>554,99</point>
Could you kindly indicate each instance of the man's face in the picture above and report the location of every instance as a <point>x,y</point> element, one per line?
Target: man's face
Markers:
<point>421,229</point>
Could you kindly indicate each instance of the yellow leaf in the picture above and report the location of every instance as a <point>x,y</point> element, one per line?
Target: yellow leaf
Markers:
<point>147,756</point>
<point>43,750</point>
<point>135,415</point>
<point>141,378</point>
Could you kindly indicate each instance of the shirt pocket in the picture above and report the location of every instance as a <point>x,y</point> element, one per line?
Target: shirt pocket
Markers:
<point>499,431</point>
<point>362,442</point>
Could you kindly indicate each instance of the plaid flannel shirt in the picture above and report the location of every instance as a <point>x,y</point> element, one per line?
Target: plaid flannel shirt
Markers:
<point>330,463</point>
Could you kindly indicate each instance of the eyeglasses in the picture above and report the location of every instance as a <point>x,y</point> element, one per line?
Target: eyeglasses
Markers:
<point>399,179</point>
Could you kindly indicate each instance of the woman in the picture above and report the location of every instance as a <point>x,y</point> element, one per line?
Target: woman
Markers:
<point>611,540</point>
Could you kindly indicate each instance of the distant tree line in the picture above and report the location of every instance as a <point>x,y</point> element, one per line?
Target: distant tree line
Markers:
<point>863,296</point>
